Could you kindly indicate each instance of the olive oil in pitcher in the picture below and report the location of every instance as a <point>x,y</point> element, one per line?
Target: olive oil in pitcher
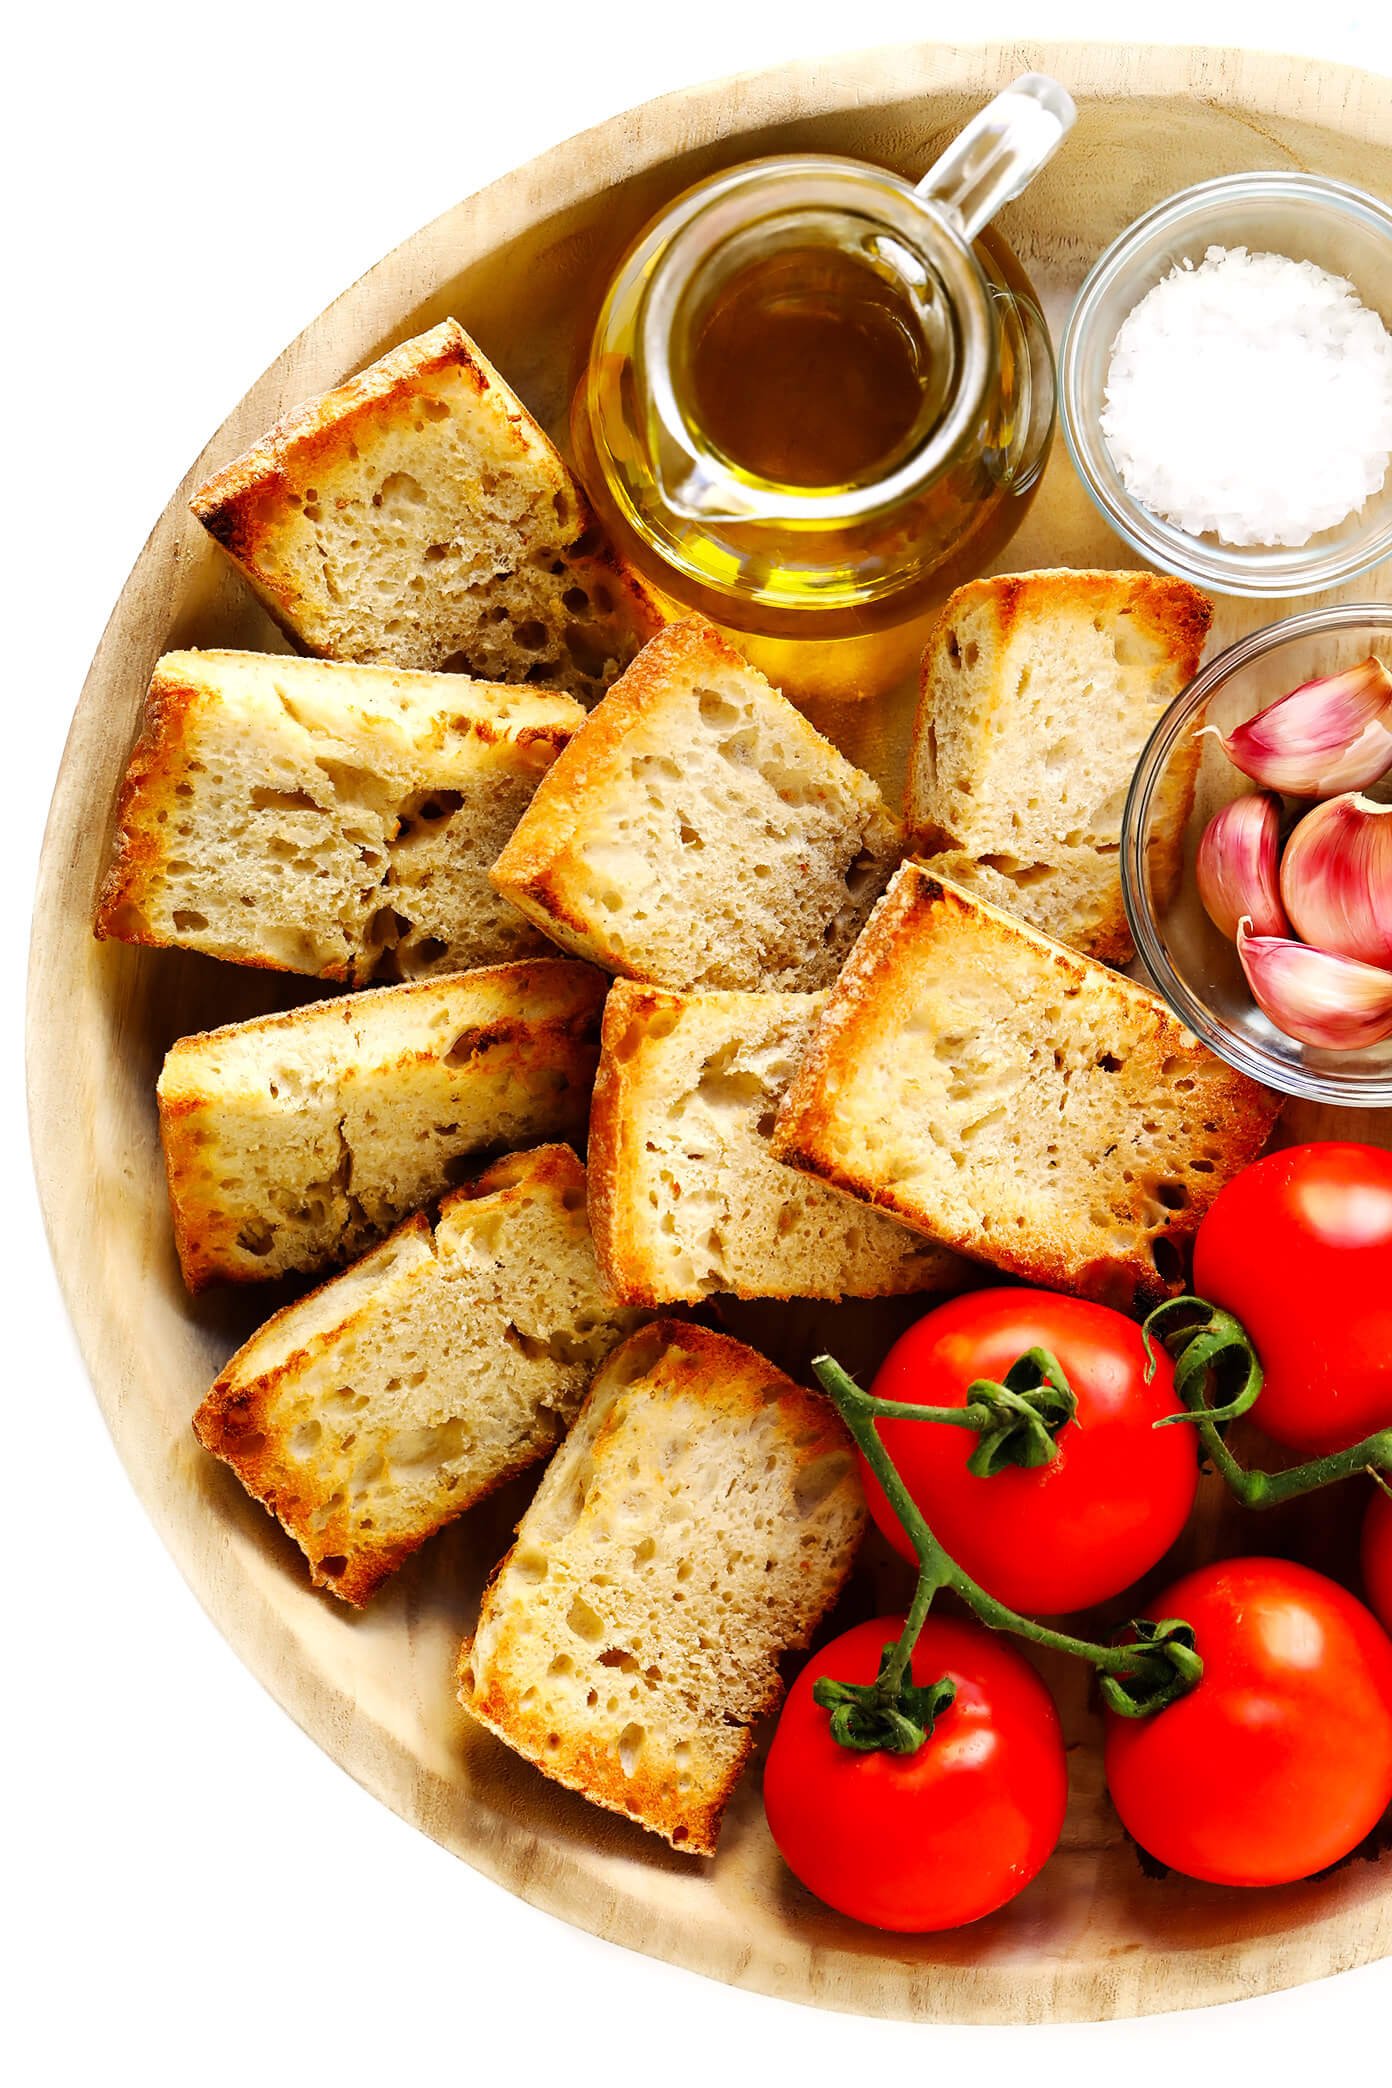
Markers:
<point>818,398</point>
<point>812,369</point>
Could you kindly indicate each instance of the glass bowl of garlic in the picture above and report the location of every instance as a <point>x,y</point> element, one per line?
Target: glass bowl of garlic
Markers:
<point>1256,855</point>
<point>1225,384</point>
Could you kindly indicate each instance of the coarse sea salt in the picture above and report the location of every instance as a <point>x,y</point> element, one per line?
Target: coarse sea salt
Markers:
<point>1250,399</point>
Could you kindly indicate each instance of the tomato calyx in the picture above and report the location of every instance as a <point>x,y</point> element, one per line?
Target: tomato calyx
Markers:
<point>1213,1352</point>
<point>1154,1668</point>
<point>893,1714</point>
<point>1020,1416</point>
<point>1140,1694</point>
<point>1015,1418</point>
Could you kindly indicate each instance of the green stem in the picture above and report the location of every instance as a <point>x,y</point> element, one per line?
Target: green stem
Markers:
<point>1268,1489</point>
<point>1136,1678</point>
<point>896,1666</point>
<point>1016,1418</point>
<point>1208,1344</point>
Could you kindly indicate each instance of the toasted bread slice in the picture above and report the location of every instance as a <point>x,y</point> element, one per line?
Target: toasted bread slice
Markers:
<point>376,1410</point>
<point>340,821</point>
<point>700,833</point>
<point>1017,1101</point>
<point>697,1521</point>
<point>417,516</point>
<point>1039,691</point>
<point>1074,894</point>
<point>685,1197</point>
<point>294,1141</point>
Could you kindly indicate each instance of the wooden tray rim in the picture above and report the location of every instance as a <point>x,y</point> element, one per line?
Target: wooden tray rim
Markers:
<point>339,339</point>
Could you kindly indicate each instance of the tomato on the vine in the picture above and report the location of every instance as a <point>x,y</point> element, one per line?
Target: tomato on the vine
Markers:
<point>1280,1761</point>
<point>933,1839</point>
<point>1377,1555</point>
<point>1299,1248</point>
<point>1067,1534</point>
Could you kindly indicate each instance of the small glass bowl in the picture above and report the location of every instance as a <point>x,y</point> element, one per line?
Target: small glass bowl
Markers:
<point>1299,215</point>
<point>1193,965</point>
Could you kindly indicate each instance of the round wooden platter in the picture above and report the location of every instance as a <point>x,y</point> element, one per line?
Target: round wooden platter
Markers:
<point>1095,1936</point>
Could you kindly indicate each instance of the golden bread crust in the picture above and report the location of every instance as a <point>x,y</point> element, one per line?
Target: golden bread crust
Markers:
<point>1108,936</point>
<point>888,1035</point>
<point>665,1367</point>
<point>612,1128</point>
<point>685,1198</point>
<point>238,752</point>
<point>543,869</point>
<point>264,507</point>
<point>532,868</point>
<point>241,504</point>
<point>509,1032</point>
<point>243,1418</point>
<point>234,1423</point>
<point>1003,771</point>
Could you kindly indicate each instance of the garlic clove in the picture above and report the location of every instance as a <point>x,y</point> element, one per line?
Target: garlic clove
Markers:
<point>1316,996</point>
<point>1239,866</point>
<point>1328,735</point>
<point>1336,879</point>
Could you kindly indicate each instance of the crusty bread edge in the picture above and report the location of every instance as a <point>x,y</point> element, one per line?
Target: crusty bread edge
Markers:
<point>607,1149</point>
<point>1168,607</point>
<point>397,990</point>
<point>140,842</point>
<point>228,1423</point>
<point>531,871</point>
<point>1110,940</point>
<point>230,1412</point>
<point>201,1265</point>
<point>691,1829</point>
<point>224,501</point>
<point>230,503</point>
<point>912,893</point>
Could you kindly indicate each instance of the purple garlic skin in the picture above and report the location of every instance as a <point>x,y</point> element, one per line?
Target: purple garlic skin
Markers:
<point>1336,879</point>
<point>1316,996</point>
<point>1239,866</point>
<point>1330,735</point>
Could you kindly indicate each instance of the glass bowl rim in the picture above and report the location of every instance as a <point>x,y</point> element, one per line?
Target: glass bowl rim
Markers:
<point>1160,542</point>
<point>1349,1088</point>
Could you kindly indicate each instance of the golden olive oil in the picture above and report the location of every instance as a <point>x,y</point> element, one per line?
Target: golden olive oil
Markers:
<point>810,369</point>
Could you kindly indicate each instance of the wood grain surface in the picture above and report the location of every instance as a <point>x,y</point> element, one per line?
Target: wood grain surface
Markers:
<point>521,265</point>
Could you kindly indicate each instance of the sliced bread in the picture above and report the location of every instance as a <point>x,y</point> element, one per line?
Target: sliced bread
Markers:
<point>340,821</point>
<point>1039,691</point>
<point>1017,1101</point>
<point>685,1196</point>
<point>1073,894</point>
<point>294,1141</point>
<point>374,1411</point>
<point>417,516</point>
<point>698,832</point>
<point>697,1521</point>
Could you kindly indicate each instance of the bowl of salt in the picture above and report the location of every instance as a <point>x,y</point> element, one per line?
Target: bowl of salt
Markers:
<point>1226,384</point>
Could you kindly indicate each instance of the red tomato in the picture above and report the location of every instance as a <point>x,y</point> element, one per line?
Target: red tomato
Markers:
<point>936,1838</point>
<point>1377,1554</point>
<point>1070,1533</point>
<point>1299,1248</point>
<point>1280,1761</point>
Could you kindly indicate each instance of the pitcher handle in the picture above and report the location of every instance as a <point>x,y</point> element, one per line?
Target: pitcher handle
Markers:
<point>1000,151</point>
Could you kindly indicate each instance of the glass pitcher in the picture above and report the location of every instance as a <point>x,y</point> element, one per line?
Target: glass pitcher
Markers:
<point>818,398</point>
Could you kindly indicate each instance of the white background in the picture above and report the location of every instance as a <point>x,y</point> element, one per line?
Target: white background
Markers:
<point>200,1896</point>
